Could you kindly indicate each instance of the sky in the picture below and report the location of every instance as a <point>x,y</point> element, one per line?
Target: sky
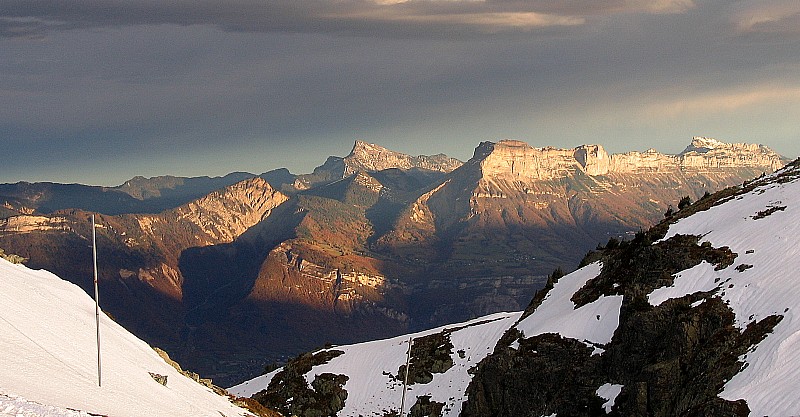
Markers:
<point>97,92</point>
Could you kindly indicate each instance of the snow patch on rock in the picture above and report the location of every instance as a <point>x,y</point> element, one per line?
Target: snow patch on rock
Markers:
<point>593,323</point>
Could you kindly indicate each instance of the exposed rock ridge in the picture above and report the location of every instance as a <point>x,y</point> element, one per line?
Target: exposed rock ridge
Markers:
<point>27,223</point>
<point>225,214</point>
<point>516,159</point>
<point>370,157</point>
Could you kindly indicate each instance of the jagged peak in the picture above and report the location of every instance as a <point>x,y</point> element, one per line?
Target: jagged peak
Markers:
<point>702,144</point>
<point>370,157</point>
<point>362,147</point>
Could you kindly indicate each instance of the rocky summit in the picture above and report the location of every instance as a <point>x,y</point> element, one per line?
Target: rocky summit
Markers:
<point>369,245</point>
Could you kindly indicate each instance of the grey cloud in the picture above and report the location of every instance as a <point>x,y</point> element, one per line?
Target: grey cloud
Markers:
<point>160,82</point>
<point>784,24</point>
<point>767,16</point>
<point>592,7</point>
<point>362,17</point>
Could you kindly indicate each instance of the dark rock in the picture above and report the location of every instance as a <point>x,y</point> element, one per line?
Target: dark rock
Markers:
<point>161,379</point>
<point>290,394</point>
<point>424,407</point>
<point>672,359</point>
<point>431,354</point>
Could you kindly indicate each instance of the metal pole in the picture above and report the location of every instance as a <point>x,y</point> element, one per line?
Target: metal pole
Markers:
<point>96,302</point>
<point>405,381</point>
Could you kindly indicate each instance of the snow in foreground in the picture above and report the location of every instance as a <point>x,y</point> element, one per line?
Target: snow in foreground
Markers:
<point>19,407</point>
<point>370,391</point>
<point>762,227</point>
<point>49,358</point>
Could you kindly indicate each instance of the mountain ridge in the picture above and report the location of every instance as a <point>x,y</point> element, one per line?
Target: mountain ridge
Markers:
<point>374,253</point>
<point>694,316</point>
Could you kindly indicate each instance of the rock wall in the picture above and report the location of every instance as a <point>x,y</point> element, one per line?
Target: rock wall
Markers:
<point>28,224</point>
<point>518,160</point>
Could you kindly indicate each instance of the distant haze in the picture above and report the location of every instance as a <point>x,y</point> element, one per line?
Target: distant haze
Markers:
<point>100,91</point>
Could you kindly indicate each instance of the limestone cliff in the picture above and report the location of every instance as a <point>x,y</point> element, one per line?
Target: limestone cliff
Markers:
<point>515,211</point>
<point>515,159</point>
<point>222,215</point>
<point>29,223</point>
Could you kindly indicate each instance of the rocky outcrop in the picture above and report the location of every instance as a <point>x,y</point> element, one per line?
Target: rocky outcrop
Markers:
<point>28,224</point>
<point>291,394</point>
<point>289,277</point>
<point>368,157</point>
<point>223,215</point>
<point>673,357</point>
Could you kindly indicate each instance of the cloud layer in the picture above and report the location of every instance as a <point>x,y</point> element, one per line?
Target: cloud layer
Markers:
<point>364,17</point>
<point>189,87</point>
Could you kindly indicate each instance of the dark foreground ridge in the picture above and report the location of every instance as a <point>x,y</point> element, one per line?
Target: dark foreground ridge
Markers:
<point>671,360</point>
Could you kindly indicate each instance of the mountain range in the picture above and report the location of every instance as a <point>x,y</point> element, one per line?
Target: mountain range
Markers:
<point>257,268</point>
<point>695,316</point>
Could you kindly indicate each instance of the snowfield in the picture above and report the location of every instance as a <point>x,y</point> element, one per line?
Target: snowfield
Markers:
<point>593,323</point>
<point>49,358</point>
<point>371,392</point>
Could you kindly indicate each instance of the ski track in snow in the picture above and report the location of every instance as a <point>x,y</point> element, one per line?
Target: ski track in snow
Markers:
<point>48,356</point>
<point>370,392</point>
<point>770,383</point>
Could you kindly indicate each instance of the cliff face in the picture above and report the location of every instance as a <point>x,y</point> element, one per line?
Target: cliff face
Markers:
<point>222,215</point>
<point>514,213</point>
<point>519,160</point>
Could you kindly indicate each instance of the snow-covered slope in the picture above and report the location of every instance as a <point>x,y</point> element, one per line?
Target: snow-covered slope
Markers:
<point>371,388</point>
<point>762,227</point>
<point>696,317</point>
<point>593,323</point>
<point>49,362</point>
